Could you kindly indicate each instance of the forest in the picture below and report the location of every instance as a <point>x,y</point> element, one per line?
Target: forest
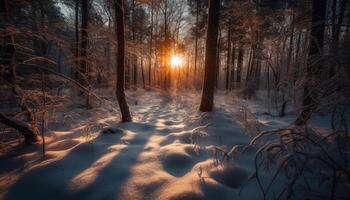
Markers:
<point>174,99</point>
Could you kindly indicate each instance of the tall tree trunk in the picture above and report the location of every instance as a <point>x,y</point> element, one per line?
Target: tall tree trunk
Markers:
<point>84,48</point>
<point>319,8</point>
<point>207,100</point>
<point>250,58</point>
<point>228,61</point>
<point>133,33</point>
<point>127,73</point>
<point>233,62</point>
<point>196,44</point>
<point>291,47</point>
<point>297,61</point>
<point>119,31</point>
<point>151,46</point>
<point>218,60</point>
<point>289,60</point>
<point>143,74</point>
<point>239,66</point>
<point>135,72</point>
<point>337,20</point>
<point>76,70</point>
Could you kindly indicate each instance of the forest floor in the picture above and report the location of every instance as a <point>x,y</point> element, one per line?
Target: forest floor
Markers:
<point>171,151</point>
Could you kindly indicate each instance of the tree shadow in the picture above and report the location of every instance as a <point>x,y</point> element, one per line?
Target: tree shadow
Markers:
<point>53,180</point>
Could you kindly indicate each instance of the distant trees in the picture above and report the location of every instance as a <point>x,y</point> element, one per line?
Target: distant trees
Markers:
<point>198,9</point>
<point>263,46</point>
<point>211,66</point>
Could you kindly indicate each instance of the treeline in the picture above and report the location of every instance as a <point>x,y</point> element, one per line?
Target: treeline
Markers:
<point>296,51</point>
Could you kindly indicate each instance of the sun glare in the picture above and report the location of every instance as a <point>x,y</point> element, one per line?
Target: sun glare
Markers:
<point>175,61</point>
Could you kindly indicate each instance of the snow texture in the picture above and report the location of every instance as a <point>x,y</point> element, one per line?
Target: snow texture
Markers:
<point>170,152</point>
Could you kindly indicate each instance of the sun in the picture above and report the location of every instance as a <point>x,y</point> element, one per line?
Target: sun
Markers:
<point>175,61</point>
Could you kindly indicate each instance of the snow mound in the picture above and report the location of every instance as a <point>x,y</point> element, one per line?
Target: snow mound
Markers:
<point>175,159</point>
<point>183,136</point>
<point>231,176</point>
<point>111,130</point>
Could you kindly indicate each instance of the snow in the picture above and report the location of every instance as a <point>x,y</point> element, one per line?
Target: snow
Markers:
<point>169,152</point>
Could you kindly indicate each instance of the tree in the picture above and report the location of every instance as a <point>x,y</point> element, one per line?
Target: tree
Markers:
<point>211,66</point>
<point>76,9</point>
<point>8,51</point>
<point>151,46</point>
<point>119,31</point>
<point>228,56</point>
<point>319,8</point>
<point>84,47</point>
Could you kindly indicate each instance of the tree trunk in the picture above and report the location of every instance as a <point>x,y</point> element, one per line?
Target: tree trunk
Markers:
<point>233,61</point>
<point>135,72</point>
<point>289,60</point>
<point>228,56</point>
<point>250,58</point>
<point>196,44</point>
<point>337,21</point>
<point>151,47</point>
<point>127,73</point>
<point>207,100</point>
<point>239,65</point>
<point>119,25</point>
<point>143,75</point>
<point>133,33</point>
<point>76,70</point>
<point>319,8</point>
<point>84,71</point>
<point>297,59</point>
<point>218,60</point>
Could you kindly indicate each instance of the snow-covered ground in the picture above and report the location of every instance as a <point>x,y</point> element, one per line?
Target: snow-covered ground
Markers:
<point>171,151</point>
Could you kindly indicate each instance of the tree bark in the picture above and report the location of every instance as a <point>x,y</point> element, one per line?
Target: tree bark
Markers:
<point>218,60</point>
<point>84,71</point>
<point>151,47</point>
<point>319,8</point>
<point>207,100</point>
<point>120,93</point>
<point>133,33</point>
<point>228,56</point>
<point>196,44</point>
<point>289,60</point>
<point>143,75</point>
<point>76,74</point>
<point>239,66</point>
<point>233,61</point>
